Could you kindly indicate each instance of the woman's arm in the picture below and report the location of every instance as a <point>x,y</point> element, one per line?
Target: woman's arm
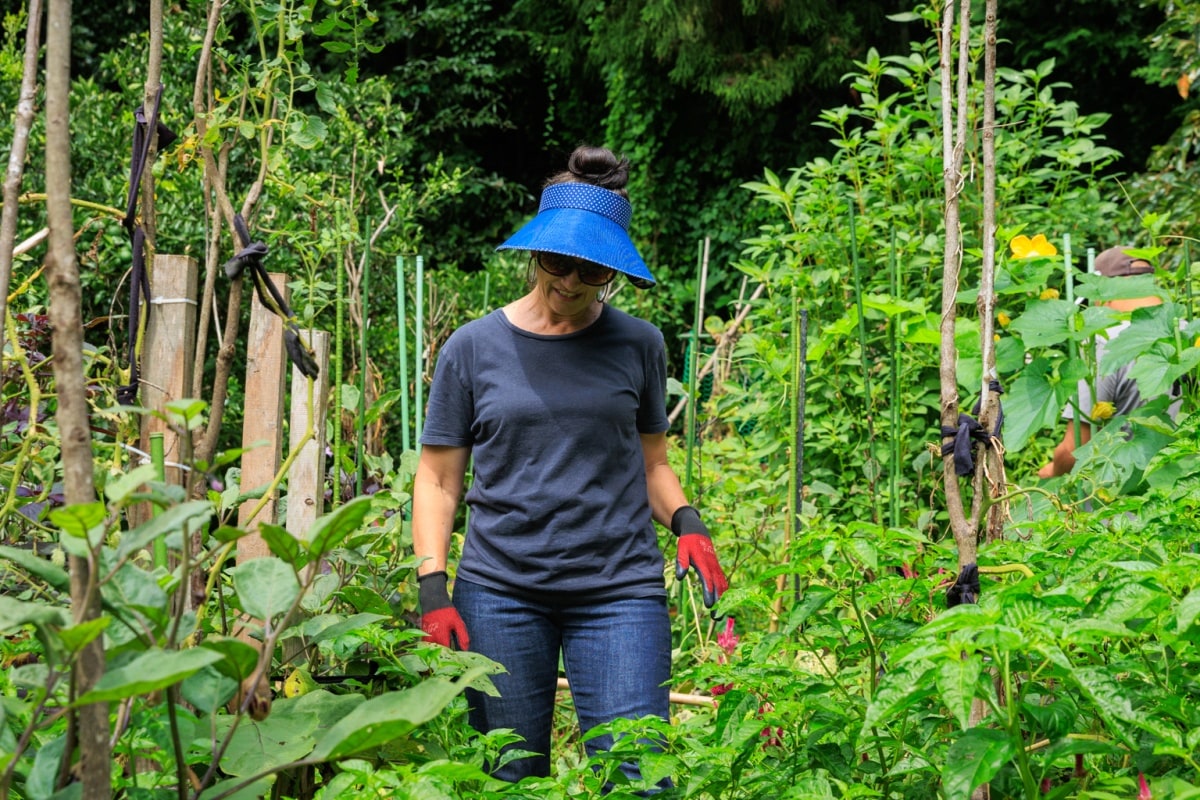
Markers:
<point>662,484</point>
<point>437,488</point>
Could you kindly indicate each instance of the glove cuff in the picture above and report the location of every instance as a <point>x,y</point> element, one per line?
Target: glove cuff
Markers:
<point>687,520</point>
<point>432,592</point>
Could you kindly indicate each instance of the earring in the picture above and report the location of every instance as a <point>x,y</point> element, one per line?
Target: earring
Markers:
<point>530,272</point>
<point>602,295</point>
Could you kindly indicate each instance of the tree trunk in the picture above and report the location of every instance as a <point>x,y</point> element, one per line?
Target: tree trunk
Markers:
<point>72,411</point>
<point>16,156</point>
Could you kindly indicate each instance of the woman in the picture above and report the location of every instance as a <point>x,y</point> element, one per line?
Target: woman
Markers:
<point>559,399</point>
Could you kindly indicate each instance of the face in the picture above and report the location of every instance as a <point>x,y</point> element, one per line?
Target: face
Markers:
<point>568,284</point>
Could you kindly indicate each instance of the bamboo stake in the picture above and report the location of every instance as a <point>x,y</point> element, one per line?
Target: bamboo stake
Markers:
<point>676,697</point>
<point>862,349</point>
<point>338,335</point>
<point>361,422</point>
<point>693,363</point>
<point>894,390</point>
<point>420,352</point>
<point>401,291</point>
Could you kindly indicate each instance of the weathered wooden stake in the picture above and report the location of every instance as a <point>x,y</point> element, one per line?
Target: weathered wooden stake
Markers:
<point>306,479</point>
<point>262,426</point>
<point>167,354</point>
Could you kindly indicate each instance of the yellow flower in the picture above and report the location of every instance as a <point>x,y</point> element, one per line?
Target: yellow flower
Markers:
<point>1024,247</point>
<point>1003,319</point>
<point>1197,341</point>
<point>995,337</point>
<point>1103,410</point>
<point>1049,294</point>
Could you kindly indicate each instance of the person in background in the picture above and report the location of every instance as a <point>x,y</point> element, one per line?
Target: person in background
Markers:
<point>1116,389</point>
<point>560,400</point>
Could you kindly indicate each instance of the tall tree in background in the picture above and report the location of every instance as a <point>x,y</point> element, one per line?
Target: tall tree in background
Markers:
<point>91,721</point>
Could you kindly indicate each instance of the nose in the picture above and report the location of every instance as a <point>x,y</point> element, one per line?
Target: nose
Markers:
<point>571,279</point>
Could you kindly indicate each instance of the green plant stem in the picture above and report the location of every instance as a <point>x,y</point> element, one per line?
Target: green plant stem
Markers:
<point>339,333</point>
<point>894,388</point>
<point>176,740</point>
<point>1012,714</point>
<point>361,421</point>
<point>38,197</point>
<point>862,348</point>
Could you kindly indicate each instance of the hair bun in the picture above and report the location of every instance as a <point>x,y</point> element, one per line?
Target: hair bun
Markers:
<point>599,167</point>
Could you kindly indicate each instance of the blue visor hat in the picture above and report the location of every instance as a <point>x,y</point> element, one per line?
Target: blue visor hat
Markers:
<point>584,221</point>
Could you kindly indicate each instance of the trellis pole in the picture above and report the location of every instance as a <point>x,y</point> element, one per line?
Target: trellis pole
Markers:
<point>402,327</point>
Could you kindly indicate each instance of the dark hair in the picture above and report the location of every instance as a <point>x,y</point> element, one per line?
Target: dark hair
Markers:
<point>598,166</point>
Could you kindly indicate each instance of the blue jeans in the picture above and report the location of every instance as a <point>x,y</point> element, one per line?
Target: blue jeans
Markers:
<point>617,655</point>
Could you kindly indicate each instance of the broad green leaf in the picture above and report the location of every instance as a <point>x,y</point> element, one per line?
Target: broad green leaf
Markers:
<point>365,599</point>
<point>965,617</point>
<point>37,567</point>
<point>1146,327</point>
<point>330,626</point>
<point>81,521</point>
<point>124,485</point>
<point>189,517</point>
<point>1090,630</point>
<point>381,719</point>
<point>274,742</point>
<point>898,690</point>
<point>208,689</point>
<point>1108,698</point>
<point>46,764</point>
<point>1188,610</point>
<point>238,659</point>
<point>283,545</point>
<point>132,586</point>
<point>16,613</point>
<point>974,759</point>
<point>814,599</point>
<point>892,306</point>
<point>1046,323</point>
<point>266,587</point>
<point>332,529</point>
<point>228,533</point>
<point>1030,405</point>
<point>76,637</point>
<point>956,679</point>
<point>1101,289</point>
<point>1123,598</point>
<point>153,670</point>
<point>256,790</point>
<point>1156,373</point>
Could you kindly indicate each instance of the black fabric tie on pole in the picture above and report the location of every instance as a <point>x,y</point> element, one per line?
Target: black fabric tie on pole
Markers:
<point>139,280</point>
<point>966,587</point>
<point>968,433</point>
<point>250,258</point>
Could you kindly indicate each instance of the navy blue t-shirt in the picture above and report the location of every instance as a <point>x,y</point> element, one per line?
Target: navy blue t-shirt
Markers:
<point>558,497</point>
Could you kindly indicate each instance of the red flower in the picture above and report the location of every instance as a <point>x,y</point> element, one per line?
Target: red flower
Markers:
<point>727,641</point>
<point>1143,788</point>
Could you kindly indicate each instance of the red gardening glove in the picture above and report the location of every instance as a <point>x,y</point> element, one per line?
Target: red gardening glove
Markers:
<point>439,619</point>
<point>695,551</point>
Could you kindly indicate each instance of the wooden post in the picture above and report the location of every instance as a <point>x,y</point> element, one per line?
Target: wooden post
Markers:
<point>166,360</point>
<point>306,480</point>
<point>167,354</point>
<point>262,426</point>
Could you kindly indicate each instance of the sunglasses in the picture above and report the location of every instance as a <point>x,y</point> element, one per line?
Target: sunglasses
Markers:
<point>589,272</point>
